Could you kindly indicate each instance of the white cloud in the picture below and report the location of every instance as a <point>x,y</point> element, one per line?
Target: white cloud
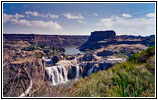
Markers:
<point>126,15</point>
<point>135,26</point>
<point>150,15</point>
<point>78,17</point>
<point>54,16</point>
<point>95,14</point>
<point>7,17</point>
<point>17,16</point>
<point>73,16</point>
<point>33,13</point>
<point>50,24</point>
<point>38,23</point>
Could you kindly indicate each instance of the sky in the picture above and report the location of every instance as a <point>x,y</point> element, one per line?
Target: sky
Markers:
<point>79,18</point>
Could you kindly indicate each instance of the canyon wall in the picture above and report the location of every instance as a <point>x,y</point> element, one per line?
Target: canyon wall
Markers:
<point>55,40</point>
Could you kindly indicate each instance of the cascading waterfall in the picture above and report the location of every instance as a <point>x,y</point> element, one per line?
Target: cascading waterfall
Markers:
<point>77,72</point>
<point>57,74</point>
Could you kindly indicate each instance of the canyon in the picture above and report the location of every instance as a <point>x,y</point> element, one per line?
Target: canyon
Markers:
<point>45,64</point>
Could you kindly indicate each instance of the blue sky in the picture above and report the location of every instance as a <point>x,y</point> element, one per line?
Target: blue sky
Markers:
<point>79,18</point>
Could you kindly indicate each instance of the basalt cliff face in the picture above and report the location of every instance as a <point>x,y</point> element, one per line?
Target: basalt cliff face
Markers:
<point>100,39</point>
<point>101,35</point>
<point>55,40</point>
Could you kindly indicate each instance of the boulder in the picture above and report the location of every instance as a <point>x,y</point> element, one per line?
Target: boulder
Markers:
<point>70,58</point>
<point>88,57</point>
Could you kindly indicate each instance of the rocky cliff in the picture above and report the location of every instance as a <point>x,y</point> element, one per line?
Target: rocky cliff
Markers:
<point>101,35</point>
<point>99,39</point>
<point>56,40</point>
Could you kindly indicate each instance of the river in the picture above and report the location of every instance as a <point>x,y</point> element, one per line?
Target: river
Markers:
<point>72,51</point>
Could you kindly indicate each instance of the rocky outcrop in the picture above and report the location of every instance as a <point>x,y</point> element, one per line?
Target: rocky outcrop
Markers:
<point>98,39</point>
<point>88,57</point>
<point>101,35</point>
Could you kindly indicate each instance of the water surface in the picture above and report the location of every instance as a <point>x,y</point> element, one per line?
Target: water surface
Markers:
<point>72,50</point>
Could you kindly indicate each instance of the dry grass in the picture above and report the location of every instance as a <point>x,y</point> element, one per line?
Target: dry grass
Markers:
<point>120,46</point>
<point>28,59</point>
<point>15,44</point>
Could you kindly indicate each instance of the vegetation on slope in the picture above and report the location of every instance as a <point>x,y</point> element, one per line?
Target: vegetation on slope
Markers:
<point>133,78</point>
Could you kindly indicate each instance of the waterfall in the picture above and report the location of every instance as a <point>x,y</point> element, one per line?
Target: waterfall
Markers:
<point>77,72</point>
<point>57,74</point>
<point>90,71</point>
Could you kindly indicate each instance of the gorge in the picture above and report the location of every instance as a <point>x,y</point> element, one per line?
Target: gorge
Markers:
<point>77,67</point>
<point>44,63</point>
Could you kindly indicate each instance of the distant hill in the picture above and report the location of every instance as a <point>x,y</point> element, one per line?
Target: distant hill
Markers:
<point>55,40</point>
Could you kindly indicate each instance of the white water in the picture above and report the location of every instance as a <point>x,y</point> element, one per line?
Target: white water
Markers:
<point>77,72</point>
<point>58,74</point>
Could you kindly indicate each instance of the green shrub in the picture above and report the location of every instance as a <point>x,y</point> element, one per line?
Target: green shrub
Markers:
<point>42,46</point>
<point>143,56</point>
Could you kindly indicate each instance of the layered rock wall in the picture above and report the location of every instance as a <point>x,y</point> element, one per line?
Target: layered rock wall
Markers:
<point>101,35</point>
<point>55,40</point>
